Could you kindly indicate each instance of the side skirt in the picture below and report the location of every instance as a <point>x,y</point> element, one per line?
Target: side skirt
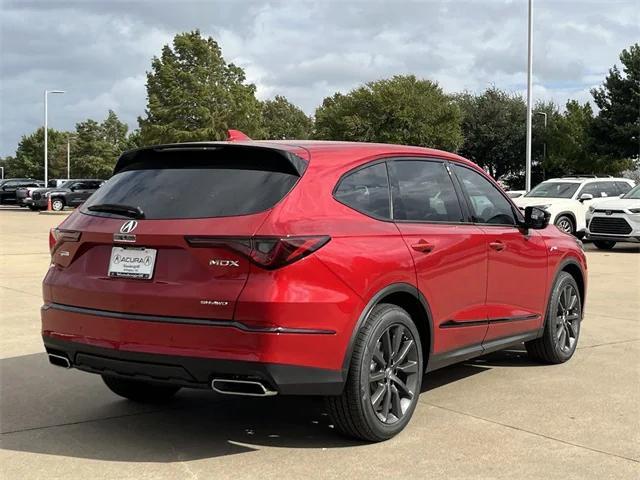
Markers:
<point>441,360</point>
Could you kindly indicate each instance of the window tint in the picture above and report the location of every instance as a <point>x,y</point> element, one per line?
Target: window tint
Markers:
<point>600,189</point>
<point>366,190</point>
<point>488,205</point>
<point>623,187</point>
<point>423,192</point>
<point>196,189</point>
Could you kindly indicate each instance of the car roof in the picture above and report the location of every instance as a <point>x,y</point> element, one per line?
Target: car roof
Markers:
<point>328,152</point>
<point>586,180</point>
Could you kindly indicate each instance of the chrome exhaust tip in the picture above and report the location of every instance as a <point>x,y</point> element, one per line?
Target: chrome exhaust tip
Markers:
<point>247,388</point>
<point>59,360</point>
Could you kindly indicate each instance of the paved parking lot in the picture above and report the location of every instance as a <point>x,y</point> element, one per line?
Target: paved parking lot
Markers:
<point>498,417</point>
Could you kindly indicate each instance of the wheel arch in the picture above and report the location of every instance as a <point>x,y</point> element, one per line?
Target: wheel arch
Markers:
<point>567,213</point>
<point>573,268</point>
<point>410,299</point>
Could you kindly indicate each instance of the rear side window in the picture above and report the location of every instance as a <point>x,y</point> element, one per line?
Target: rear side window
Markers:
<point>367,191</point>
<point>423,192</point>
<point>198,186</point>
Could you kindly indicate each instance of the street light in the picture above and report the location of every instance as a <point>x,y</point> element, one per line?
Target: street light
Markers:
<point>46,161</point>
<point>529,97</point>
<point>2,168</point>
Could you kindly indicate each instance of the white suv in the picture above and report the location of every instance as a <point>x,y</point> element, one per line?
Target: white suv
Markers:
<point>568,198</point>
<point>614,220</point>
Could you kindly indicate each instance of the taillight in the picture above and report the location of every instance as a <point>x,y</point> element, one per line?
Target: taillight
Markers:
<point>58,236</point>
<point>267,252</point>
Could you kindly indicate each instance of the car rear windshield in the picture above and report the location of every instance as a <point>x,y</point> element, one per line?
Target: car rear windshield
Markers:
<point>554,190</point>
<point>197,187</point>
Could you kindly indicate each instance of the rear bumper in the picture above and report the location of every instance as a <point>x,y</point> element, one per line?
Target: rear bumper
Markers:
<point>195,372</point>
<point>189,352</point>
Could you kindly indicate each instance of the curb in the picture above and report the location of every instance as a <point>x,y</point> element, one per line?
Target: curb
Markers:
<point>51,212</point>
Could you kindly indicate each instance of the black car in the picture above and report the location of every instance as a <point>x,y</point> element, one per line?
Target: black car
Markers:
<point>9,186</point>
<point>70,194</point>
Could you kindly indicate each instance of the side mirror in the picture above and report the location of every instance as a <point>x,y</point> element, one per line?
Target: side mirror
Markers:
<point>585,196</point>
<point>536,218</point>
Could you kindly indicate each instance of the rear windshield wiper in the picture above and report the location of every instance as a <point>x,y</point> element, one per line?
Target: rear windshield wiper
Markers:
<point>126,210</point>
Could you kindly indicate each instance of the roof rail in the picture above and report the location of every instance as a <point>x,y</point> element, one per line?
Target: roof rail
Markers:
<point>587,175</point>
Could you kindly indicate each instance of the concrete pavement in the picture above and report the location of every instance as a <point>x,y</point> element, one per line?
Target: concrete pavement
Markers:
<point>500,416</point>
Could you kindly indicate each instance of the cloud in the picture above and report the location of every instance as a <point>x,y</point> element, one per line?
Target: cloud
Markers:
<point>99,51</point>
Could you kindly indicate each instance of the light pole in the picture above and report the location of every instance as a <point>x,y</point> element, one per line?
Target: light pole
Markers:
<point>46,127</point>
<point>529,98</point>
<point>68,159</point>
<point>2,169</point>
<point>544,144</point>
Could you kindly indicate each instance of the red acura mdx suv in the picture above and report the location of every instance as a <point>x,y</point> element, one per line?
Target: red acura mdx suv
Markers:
<point>346,270</point>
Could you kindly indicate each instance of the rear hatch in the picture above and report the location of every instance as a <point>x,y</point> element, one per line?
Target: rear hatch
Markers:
<point>165,235</point>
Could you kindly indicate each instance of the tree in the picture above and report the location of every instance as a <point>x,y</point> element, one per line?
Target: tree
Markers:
<point>281,119</point>
<point>402,109</point>
<point>29,158</point>
<point>494,130</point>
<point>97,146</point>
<point>616,128</point>
<point>194,94</point>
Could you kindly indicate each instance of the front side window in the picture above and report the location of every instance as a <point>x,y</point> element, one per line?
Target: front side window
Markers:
<point>422,191</point>
<point>488,205</point>
<point>599,189</point>
<point>367,191</point>
<point>634,193</point>
<point>623,187</point>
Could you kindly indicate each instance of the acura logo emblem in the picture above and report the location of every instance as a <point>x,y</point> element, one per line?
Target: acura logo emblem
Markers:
<point>129,226</point>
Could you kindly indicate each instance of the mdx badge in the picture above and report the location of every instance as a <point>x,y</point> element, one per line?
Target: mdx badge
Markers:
<point>215,262</point>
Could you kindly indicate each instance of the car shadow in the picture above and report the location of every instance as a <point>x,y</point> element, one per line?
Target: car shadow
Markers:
<point>53,411</point>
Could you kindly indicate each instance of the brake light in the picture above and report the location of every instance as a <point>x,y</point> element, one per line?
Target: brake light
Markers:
<point>266,252</point>
<point>57,237</point>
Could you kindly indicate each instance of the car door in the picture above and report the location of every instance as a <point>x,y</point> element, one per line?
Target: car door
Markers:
<point>449,254</point>
<point>517,261</point>
<point>78,191</point>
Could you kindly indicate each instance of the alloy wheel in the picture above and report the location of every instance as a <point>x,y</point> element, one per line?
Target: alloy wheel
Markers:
<point>565,225</point>
<point>393,374</point>
<point>567,318</point>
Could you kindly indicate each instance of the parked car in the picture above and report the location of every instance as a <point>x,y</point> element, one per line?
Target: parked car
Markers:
<point>614,220</point>
<point>24,193</point>
<point>568,198</point>
<point>9,186</point>
<point>346,270</point>
<point>72,193</point>
<point>516,193</point>
<point>56,182</point>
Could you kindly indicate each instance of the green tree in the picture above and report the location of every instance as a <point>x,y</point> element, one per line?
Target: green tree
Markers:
<point>29,158</point>
<point>616,128</point>
<point>494,130</point>
<point>194,94</point>
<point>281,119</point>
<point>402,109</point>
<point>97,146</point>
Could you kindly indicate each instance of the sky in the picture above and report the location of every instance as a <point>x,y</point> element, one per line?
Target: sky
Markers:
<point>99,51</point>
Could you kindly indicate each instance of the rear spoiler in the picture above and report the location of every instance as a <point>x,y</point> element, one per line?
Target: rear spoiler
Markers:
<point>181,155</point>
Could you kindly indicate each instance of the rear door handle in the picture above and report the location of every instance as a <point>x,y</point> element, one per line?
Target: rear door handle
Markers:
<point>499,246</point>
<point>422,246</point>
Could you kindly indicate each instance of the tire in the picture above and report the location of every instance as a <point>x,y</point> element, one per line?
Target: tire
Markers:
<point>140,391</point>
<point>57,204</point>
<point>604,244</point>
<point>384,378</point>
<point>562,326</point>
<point>565,224</point>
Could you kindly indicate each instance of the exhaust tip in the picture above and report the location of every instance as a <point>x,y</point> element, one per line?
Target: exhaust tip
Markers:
<point>248,388</point>
<point>59,360</point>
